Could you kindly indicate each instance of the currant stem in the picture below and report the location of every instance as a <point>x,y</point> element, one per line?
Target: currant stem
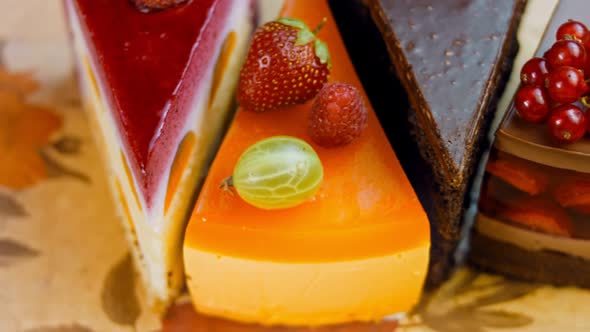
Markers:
<point>320,26</point>
<point>585,100</point>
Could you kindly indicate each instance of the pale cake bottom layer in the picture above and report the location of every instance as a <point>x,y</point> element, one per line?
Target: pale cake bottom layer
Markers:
<point>155,235</point>
<point>282,293</point>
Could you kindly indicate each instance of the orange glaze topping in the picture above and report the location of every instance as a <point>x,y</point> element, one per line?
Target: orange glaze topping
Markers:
<point>365,207</point>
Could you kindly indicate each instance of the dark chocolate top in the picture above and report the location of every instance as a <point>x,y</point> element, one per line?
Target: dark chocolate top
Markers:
<point>449,55</point>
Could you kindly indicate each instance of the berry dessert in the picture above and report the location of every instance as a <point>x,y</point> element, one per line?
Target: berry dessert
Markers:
<point>158,111</point>
<point>317,222</point>
<point>534,213</point>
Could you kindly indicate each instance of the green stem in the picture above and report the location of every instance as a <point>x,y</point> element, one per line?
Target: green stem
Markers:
<point>227,184</point>
<point>320,26</point>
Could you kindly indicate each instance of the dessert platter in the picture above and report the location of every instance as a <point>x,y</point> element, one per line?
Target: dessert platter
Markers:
<point>297,165</point>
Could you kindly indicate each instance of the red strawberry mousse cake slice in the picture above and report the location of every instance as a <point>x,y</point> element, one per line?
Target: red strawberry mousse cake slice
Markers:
<point>159,87</point>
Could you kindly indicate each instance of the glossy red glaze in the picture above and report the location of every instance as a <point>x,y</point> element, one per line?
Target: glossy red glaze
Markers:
<point>150,66</point>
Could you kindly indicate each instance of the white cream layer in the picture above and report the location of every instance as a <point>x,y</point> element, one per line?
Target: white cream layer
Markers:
<point>531,240</point>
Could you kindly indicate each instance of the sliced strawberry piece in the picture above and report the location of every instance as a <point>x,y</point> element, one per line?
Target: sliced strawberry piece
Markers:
<point>582,209</point>
<point>573,192</point>
<point>495,192</point>
<point>539,214</point>
<point>521,174</point>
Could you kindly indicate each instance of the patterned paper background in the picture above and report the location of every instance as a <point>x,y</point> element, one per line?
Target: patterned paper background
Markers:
<point>63,260</point>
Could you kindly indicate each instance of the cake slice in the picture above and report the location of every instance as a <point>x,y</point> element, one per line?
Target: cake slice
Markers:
<point>159,88</point>
<point>534,211</point>
<point>451,58</point>
<point>358,250</point>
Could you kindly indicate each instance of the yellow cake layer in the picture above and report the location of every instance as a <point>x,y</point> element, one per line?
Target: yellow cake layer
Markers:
<point>305,294</point>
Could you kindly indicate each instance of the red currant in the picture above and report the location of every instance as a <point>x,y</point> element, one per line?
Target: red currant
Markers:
<point>567,123</point>
<point>566,53</point>
<point>566,84</point>
<point>573,30</point>
<point>535,71</point>
<point>531,103</point>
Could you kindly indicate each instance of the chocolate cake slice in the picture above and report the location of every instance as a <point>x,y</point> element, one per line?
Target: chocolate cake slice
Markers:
<point>452,58</point>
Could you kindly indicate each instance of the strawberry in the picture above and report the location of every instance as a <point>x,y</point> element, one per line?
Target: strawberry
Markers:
<point>286,65</point>
<point>338,115</point>
<point>521,174</point>
<point>539,214</point>
<point>573,192</point>
<point>156,5</point>
<point>582,209</point>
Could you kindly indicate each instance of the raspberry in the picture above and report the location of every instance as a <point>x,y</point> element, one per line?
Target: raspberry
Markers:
<point>338,115</point>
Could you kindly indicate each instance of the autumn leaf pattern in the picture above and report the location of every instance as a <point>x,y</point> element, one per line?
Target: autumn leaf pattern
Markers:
<point>61,328</point>
<point>56,169</point>
<point>10,207</point>
<point>25,133</point>
<point>474,315</point>
<point>68,145</point>
<point>12,251</point>
<point>118,297</point>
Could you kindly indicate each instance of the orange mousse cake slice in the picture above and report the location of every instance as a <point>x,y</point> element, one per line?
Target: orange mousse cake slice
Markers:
<point>357,250</point>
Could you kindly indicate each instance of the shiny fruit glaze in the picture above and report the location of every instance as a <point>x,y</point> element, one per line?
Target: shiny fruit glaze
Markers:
<point>150,83</point>
<point>365,206</point>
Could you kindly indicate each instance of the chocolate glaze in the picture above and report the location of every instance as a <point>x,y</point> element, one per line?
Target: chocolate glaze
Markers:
<point>447,54</point>
<point>450,56</point>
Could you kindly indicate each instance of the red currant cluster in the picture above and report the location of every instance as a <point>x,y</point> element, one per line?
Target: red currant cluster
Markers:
<point>552,84</point>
